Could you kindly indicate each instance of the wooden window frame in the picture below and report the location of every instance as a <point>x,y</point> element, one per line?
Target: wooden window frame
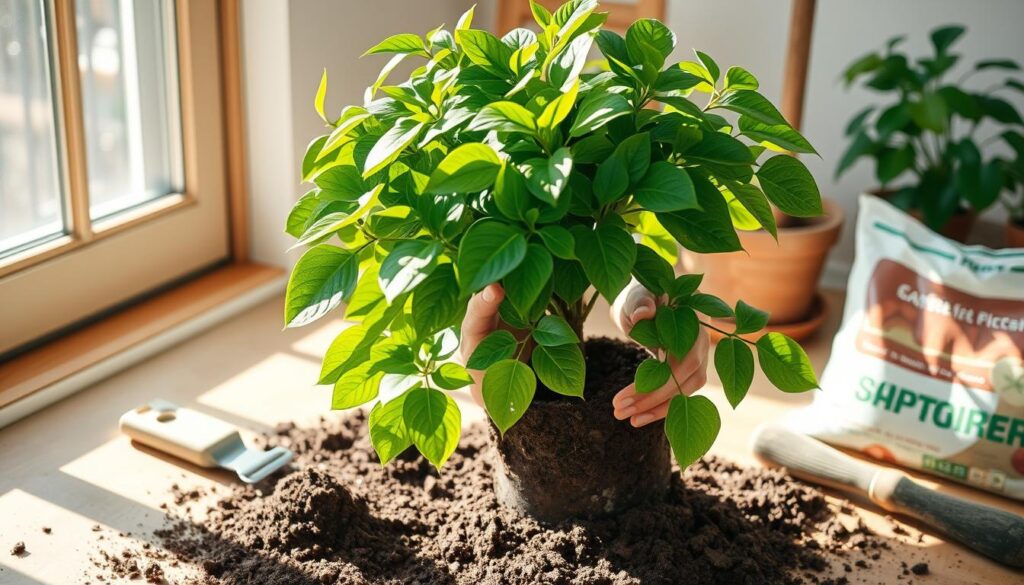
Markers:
<point>146,319</point>
<point>515,13</point>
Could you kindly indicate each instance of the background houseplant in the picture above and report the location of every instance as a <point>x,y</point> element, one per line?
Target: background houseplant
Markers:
<point>929,156</point>
<point>499,160</point>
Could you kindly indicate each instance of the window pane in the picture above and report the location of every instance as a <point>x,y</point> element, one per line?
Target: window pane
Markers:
<point>126,55</point>
<point>30,195</point>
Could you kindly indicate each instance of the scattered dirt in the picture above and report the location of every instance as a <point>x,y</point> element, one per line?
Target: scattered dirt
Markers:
<point>920,569</point>
<point>338,517</point>
<point>19,549</point>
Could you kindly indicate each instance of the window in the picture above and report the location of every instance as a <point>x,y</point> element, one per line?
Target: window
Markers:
<point>112,179</point>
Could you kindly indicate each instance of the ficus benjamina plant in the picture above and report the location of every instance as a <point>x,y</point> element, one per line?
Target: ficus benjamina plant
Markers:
<point>928,143</point>
<point>507,160</point>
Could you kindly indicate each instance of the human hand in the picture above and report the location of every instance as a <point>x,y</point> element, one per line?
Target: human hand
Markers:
<point>481,319</point>
<point>636,304</point>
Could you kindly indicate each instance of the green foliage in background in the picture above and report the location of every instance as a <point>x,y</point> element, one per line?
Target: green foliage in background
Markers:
<point>514,160</point>
<point>926,143</point>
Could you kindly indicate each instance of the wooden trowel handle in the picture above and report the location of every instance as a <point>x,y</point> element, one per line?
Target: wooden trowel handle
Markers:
<point>990,531</point>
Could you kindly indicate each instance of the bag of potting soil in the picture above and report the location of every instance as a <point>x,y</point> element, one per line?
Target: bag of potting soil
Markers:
<point>926,370</point>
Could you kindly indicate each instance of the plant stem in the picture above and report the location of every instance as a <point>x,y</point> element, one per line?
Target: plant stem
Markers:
<point>726,333</point>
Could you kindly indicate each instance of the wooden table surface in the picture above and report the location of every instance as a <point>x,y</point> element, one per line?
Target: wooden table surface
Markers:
<point>68,468</point>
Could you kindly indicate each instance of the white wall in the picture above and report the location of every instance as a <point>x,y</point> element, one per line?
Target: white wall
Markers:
<point>751,33</point>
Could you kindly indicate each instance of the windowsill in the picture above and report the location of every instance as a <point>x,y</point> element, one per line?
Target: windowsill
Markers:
<point>70,362</point>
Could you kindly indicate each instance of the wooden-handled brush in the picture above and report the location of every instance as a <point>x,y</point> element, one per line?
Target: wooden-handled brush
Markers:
<point>995,533</point>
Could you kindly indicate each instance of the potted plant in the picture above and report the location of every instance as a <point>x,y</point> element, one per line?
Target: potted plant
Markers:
<point>499,160</point>
<point>929,157</point>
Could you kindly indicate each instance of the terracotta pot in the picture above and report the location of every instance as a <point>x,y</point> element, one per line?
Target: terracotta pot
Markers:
<point>957,228</point>
<point>779,278</point>
<point>1014,234</point>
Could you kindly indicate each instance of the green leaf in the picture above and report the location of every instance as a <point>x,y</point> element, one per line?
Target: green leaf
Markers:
<point>677,329</point>
<point>751,104</point>
<point>408,264</point>
<point>706,230</point>
<point>930,113</point>
<point>355,388</point>
<point>611,180</point>
<point>389,146</point>
<point>301,213</point>
<point>857,122</point>
<point>749,319</point>
<point>892,162</point>
<point>336,221</point>
<point>401,43</point>
<point>322,278</point>
<point>710,305</point>
<point>790,186</point>
<point>652,33</point>
<point>489,251</point>
<point>559,241</point>
<point>709,64</point>
<point>607,255</point>
<point>387,429</point>
<point>548,178</point>
<point>498,345</point>
<point>734,363</point>
<point>561,368</point>
<point>860,146</point>
<point>722,155</point>
<point>683,286</point>
<point>451,376</point>
<point>740,78</point>
<point>569,280</point>
<point>564,70</point>
<point>652,271</point>
<point>596,110</point>
<point>433,422</point>
<point>785,364</point>
<point>1007,64</point>
<point>755,202</point>
<point>692,425</point>
<point>505,117</point>
<point>524,284</point>
<point>645,333</point>
<point>343,183</point>
<point>944,37</point>
<point>636,152</point>
<point>508,390</point>
<point>558,109</point>
<point>467,169</point>
<point>651,375</point>
<point>485,49</point>
<point>779,136</point>
<point>510,193</point>
<point>540,14</point>
<point>343,348</point>
<point>435,303</point>
<point>665,187</point>
<point>553,330</point>
<point>321,95</point>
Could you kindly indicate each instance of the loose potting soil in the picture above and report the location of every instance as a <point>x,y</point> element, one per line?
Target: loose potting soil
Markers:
<point>337,516</point>
<point>341,518</point>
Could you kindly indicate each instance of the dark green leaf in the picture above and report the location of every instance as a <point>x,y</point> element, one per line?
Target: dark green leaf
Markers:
<point>435,303</point>
<point>860,146</point>
<point>489,251</point>
<point>524,284</point>
<point>559,241</point>
<point>569,280</point>
<point>944,37</point>
<point>508,390</point>
<point>387,429</point>
<point>755,202</point>
<point>553,330</point>
<point>785,364</point>
<point>651,375</point>
<point>997,64</point>
<point>751,104</point>
<point>510,193</point>
<point>505,117</point>
<point>645,333</point>
<point>652,271</point>
<point>498,345</point>
<point>734,363</point>
<point>930,112</point>
<point>607,255</point>
<point>684,285</point>
<point>388,147</point>
<point>596,110</point>
<point>301,214</point>
<point>780,135</point>
<point>857,122</point>
<point>636,153</point>
<point>709,64</point>
<point>652,33</point>
<point>710,305</point>
<point>611,180</point>
<point>790,186</point>
<point>692,425</point>
<point>677,329</point>
<point>749,319</point>
<point>665,187</point>
<point>892,162</point>
<point>561,368</point>
<point>705,230</point>
<point>740,78</point>
<point>485,49</point>
<point>722,155</point>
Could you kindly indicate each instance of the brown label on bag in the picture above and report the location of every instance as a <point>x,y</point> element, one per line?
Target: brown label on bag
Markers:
<point>940,331</point>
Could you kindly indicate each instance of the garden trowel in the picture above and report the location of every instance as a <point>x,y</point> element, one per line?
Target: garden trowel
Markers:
<point>200,439</point>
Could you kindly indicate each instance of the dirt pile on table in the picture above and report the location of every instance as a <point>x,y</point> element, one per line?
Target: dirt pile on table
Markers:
<point>337,516</point>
